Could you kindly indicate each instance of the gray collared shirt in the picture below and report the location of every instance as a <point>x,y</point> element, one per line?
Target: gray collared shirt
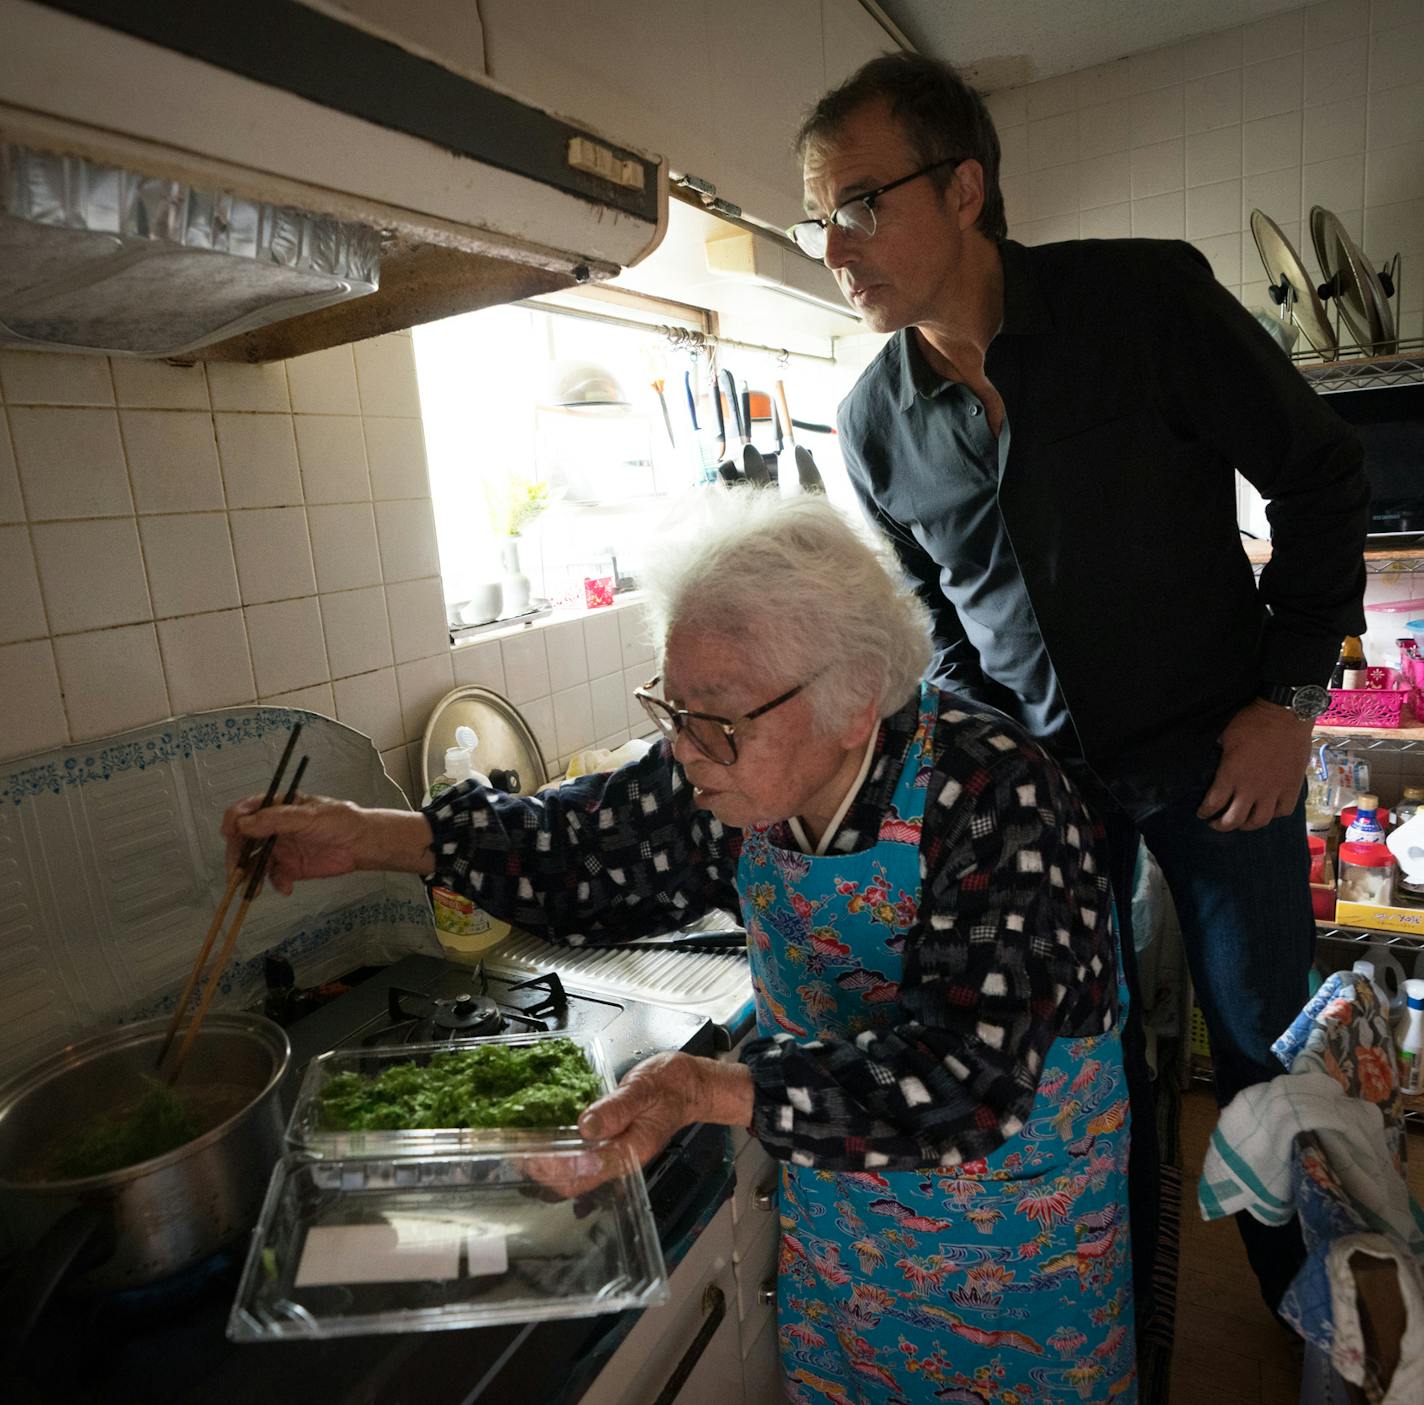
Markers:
<point>991,599</point>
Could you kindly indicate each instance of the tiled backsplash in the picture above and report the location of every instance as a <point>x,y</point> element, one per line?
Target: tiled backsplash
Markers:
<point>180,538</point>
<point>1323,106</point>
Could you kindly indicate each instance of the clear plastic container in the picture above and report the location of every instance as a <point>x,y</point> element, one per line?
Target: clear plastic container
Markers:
<point>410,1244</point>
<point>1366,874</point>
<point>306,1134</point>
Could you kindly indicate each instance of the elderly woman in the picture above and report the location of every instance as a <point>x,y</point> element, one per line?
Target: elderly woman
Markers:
<point>938,1064</point>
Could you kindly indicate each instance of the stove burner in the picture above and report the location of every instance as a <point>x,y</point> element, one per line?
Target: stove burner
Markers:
<point>468,1014</point>
<point>424,1019</point>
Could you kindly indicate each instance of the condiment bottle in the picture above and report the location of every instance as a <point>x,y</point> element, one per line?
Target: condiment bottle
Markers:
<point>1349,671</point>
<point>1410,799</point>
<point>463,928</point>
<point>1411,1045</point>
<point>1365,828</point>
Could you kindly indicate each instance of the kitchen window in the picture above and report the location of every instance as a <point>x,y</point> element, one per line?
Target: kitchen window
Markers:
<point>560,404</point>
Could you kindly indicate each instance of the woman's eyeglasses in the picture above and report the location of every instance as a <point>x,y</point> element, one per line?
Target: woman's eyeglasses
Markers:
<point>715,737</point>
<point>856,217</point>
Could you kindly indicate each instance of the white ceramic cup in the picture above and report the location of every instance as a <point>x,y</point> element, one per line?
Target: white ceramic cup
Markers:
<point>484,603</point>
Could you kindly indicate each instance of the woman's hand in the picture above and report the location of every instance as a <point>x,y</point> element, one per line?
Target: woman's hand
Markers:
<point>321,838</point>
<point>658,1097</point>
<point>633,1123</point>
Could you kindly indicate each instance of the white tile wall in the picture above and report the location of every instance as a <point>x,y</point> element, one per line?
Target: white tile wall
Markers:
<point>180,538</point>
<point>167,529</point>
<point>112,679</point>
<point>173,460</point>
<point>1323,105</point>
<point>331,450</point>
<point>206,660</point>
<point>526,666</point>
<point>71,462</point>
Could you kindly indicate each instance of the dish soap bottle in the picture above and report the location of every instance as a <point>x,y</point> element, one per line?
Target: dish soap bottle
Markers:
<point>465,930</point>
<point>1411,1046</point>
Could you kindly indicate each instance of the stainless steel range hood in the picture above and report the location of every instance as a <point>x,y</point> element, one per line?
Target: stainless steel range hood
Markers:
<point>256,181</point>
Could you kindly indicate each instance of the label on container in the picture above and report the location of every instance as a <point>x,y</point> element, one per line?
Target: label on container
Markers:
<point>458,915</point>
<point>1385,919</point>
<point>402,1249</point>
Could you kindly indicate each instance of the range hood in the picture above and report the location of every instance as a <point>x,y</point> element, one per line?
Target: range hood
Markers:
<point>254,181</point>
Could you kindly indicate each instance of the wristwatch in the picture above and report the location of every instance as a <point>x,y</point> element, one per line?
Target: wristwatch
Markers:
<point>1307,701</point>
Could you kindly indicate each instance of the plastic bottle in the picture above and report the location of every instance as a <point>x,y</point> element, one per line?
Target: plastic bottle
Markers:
<point>1367,970</point>
<point>1366,828</point>
<point>1411,1045</point>
<point>464,929</point>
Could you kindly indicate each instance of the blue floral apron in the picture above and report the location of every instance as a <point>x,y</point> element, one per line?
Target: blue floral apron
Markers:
<point>1001,1281</point>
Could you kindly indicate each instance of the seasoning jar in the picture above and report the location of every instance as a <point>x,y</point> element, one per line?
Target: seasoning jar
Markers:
<point>1366,874</point>
<point>1410,799</point>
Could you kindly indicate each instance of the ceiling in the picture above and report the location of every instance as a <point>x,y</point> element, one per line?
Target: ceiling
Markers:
<point>1020,41</point>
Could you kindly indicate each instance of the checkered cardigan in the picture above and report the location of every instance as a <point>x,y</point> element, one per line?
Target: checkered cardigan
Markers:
<point>1012,946</point>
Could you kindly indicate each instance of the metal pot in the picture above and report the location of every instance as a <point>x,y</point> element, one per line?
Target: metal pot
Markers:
<point>142,1223</point>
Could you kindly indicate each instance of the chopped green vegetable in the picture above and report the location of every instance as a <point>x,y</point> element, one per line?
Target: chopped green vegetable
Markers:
<point>161,1122</point>
<point>543,1084</point>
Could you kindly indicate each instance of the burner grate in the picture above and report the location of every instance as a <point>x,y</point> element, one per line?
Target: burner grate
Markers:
<point>415,1018</point>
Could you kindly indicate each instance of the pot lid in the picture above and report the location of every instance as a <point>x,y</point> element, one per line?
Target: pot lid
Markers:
<point>506,742</point>
<point>1351,280</point>
<point>1288,277</point>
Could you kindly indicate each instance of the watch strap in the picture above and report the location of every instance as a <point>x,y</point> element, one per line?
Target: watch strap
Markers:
<point>1306,700</point>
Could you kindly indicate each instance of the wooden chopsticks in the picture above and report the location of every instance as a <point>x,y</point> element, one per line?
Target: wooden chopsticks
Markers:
<point>251,865</point>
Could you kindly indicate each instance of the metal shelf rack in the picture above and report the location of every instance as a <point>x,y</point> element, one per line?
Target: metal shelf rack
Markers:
<point>1372,936</point>
<point>1354,370</point>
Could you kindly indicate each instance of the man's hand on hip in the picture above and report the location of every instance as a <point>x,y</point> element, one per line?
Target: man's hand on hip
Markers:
<point>1263,753</point>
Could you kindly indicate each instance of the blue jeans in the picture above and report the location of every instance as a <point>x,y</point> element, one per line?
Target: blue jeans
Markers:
<point>1243,904</point>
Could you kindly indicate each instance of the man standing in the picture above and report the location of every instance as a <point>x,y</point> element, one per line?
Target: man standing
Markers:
<point>1050,441</point>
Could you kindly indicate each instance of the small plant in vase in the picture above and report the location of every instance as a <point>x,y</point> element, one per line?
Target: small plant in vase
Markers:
<point>514,504</point>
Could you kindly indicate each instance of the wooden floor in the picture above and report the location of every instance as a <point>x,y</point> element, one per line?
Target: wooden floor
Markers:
<point>1229,1349</point>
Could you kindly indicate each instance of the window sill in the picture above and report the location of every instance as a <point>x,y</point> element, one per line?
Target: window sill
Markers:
<point>562,615</point>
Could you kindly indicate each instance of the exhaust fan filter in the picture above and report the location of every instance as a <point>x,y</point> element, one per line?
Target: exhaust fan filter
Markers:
<point>94,258</point>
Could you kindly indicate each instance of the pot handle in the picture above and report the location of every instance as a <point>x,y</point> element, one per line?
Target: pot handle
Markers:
<point>81,1235</point>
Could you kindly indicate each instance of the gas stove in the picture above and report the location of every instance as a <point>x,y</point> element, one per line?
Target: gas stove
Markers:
<point>422,999</point>
<point>101,1352</point>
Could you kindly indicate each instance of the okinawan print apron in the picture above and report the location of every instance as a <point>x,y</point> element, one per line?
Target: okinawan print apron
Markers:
<point>1002,1281</point>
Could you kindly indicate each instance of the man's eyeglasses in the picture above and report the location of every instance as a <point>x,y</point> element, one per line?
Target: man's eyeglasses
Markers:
<point>715,737</point>
<point>856,217</point>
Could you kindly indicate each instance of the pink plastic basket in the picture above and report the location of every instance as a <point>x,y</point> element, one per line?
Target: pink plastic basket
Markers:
<point>1380,706</point>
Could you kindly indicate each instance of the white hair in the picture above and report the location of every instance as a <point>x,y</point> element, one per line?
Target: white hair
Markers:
<point>804,593</point>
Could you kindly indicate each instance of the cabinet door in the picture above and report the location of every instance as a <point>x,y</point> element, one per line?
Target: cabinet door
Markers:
<point>761,1370</point>
<point>666,1336</point>
<point>717,1377</point>
<point>767,68</point>
<point>754,1202</point>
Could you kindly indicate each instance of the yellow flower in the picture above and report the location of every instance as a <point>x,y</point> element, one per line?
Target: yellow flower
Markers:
<point>515,502</point>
